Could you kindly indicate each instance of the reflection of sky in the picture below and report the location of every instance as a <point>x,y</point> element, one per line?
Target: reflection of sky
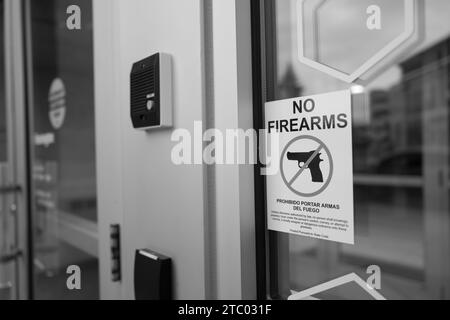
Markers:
<point>437,28</point>
<point>345,42</point>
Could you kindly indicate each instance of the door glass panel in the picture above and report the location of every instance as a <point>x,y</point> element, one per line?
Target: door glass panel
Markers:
<point>63,145</point>
<point>401,161</point>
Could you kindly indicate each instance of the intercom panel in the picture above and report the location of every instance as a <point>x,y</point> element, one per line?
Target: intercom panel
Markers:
<point>151,92</point>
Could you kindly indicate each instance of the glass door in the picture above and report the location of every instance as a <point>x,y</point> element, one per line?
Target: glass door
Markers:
<point>401,139</point>
<point>62,147</point>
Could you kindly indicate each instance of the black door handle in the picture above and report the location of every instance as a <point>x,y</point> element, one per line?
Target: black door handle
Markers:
<point>10,189</point>
<point>10,257</point>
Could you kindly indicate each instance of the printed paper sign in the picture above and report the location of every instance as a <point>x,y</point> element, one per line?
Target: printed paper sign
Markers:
<point>312,194</point>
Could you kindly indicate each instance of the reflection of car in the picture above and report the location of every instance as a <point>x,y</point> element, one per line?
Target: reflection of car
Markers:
<point>404,163</point>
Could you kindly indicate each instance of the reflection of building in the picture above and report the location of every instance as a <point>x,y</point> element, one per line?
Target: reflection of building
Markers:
<point>396,129</point>
<point>361,140</point>
<point>398,119</point>
<point>381,145</point>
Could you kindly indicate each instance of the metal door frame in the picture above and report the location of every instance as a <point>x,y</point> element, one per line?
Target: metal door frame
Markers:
<point>17,141</point>
<point>272,248</point>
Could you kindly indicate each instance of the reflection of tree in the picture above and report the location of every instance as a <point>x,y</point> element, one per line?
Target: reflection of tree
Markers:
<point>289,86</point>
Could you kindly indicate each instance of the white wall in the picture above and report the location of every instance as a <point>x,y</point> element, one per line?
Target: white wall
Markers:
<point>205,224</point>
<point>162,205</point>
